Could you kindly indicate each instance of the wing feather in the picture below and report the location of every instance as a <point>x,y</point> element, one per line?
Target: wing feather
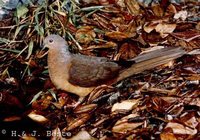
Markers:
<point>87,71</point>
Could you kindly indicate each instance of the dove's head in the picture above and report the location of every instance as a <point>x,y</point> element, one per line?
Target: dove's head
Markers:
<point>54,42</point>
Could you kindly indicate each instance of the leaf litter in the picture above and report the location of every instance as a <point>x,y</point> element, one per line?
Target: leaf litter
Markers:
<point>162,103</point>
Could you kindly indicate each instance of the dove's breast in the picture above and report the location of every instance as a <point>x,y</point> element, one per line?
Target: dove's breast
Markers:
<point>59,64</point>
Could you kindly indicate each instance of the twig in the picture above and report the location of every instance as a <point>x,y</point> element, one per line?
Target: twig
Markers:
<point>78,45</point>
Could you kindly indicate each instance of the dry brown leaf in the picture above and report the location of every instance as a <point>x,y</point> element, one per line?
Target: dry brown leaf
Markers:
<point>42,103</point>
<point>82,135</point>
<point>61,102</point>
<point>122,126</point>
<point>120,3</point>
<point>104,2</point>
<point>117,35</point>
<point>187,36</point>
<point>56,134</point>
<point>91,1</point>
<point>131,29</point>
<point>164,29</point>
<point>77,122</point>
<point>192,122</point>
<point>157,10</point>
<point>117,22</point>
<point>37,117</point>
<point>170,93</point>
<point>128,51</point>
<point>171,9</point>
<point>192,77</point>
<point>109,44</point>
<point>98,91</point>
<point>167,136</point>
<point>195,101</point>
<point>198,26</point>
<point>125,105</point>
<point>148,27</point>
<point>85,35</point>
<point>178,128</point>
<point>12,118</point>
<point>28,137</point>
<point>181,15</point>
<point>103,21</point>
<point>133,6</point>
<point>85,108</point>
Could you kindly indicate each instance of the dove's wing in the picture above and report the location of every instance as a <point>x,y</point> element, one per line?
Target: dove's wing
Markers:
<point>87,71</point>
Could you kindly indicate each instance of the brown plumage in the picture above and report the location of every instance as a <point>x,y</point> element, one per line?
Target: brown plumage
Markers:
<point>80,74</point>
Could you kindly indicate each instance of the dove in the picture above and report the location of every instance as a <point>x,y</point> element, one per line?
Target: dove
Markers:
<point>80,74</point>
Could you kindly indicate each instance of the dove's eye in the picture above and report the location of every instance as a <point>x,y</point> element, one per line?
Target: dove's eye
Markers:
<point>51,41</point>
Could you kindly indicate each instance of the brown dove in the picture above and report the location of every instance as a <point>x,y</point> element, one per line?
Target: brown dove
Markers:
<point>80,74</point>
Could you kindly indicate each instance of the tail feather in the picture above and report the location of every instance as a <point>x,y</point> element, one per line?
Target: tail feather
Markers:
<point>151,60</point>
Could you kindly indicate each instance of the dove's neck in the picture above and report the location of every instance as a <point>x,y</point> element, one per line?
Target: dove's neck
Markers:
<point>60,55</point>
<point>58,60</point>
<point>62,51</point>
<point>58,65</point>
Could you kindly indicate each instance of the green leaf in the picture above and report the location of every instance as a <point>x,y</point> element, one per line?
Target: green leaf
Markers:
<point>37,27</point>
<point>45,72</point>
<point>22,51</point>
<point>40,30</point>
<point>37,12</point>
<point>99,31</point>
<point>53,94</point>
<point>18,30</point>
<point>30,49</point>
<point>4,40</point>
<point>10,50</point>
<point>36,97</point>
<point>21,11</point>
<point>25,70</point>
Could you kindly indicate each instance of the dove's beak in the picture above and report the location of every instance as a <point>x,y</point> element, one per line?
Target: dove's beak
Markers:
<point>43,51</point>
<point>43,46</point>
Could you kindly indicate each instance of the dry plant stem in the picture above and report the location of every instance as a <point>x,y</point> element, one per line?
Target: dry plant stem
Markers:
<point>78,45</point>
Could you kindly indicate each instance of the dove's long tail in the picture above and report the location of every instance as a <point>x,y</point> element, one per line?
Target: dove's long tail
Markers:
<point>151,60</point>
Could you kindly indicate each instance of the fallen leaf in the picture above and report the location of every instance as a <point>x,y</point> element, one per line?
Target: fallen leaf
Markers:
<point>116,35</point>
<point>27,137</point>
<point>85,108</point>
<point>171,9</point>
<point>37,117</point>
<point>85,35</point>
<point>181,129</point>
<point>129,50</point>
<point>77,122</point>
<point>164,29</point>
<point>157,10</point>
<point>167,136</point>
<point>148,27</point>
<point>122,126</point>
<point>181,15</point>
<point>82,135</point>
<point>132,6</point>
<point>125,105</point>
<point>187,35</point>
<point>106,45</point>
<point>12,118</point>
<point>56,134</point>
<point>121,3</point>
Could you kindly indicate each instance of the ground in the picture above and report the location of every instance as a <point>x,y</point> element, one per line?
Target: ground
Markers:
<point>161,103</point>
